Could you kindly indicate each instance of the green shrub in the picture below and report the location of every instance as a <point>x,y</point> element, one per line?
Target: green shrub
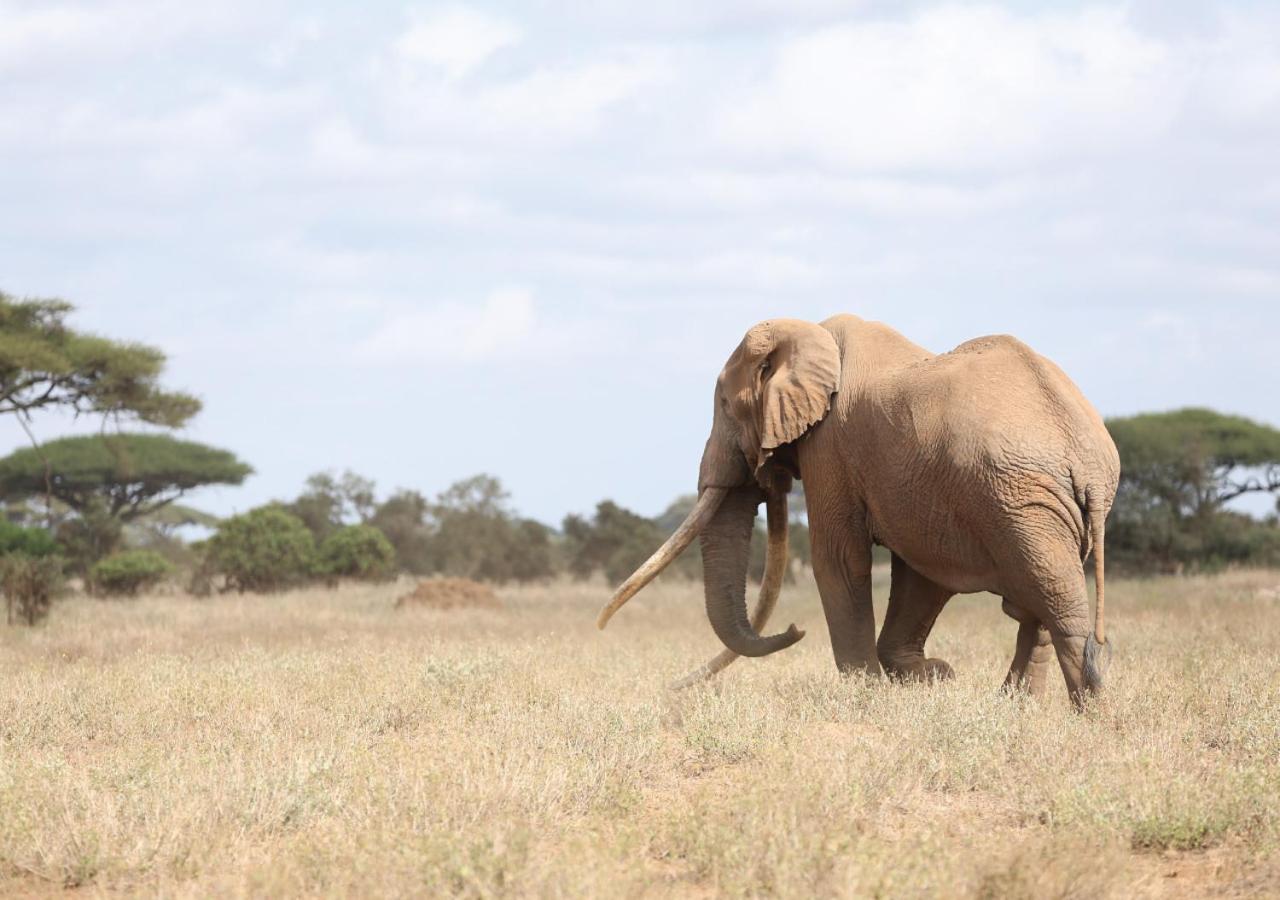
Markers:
<point>265,549</point>
<point>357,551</point>
<point>200,584</point>
<point>34,542</point>
<point>124,574</point>
<point>29,584</point>
<point>88,537</point>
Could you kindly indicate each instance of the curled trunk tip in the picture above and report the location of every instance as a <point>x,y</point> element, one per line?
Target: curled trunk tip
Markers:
<point>726,547</point>
<point>775,569</point>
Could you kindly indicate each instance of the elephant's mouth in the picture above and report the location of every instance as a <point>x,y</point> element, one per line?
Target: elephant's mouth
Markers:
<point>724,518</point>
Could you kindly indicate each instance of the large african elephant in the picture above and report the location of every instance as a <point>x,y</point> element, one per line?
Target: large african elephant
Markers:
<point>982,469</point>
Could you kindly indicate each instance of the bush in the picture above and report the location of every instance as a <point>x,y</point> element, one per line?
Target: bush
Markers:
<point>29,584</point>
<point>475,535</point>
<point>90,536</point>
<point>124,574</point>
<point>357,551</point>
<point>266,549</point>
<point>615,541</point>
<point>402,518</point>
<point>1155,540</point>
<point>33,542</point>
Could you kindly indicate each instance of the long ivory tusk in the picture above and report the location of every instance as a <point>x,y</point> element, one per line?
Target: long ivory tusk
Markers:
<point>697,519</point>
<point>775,567</point>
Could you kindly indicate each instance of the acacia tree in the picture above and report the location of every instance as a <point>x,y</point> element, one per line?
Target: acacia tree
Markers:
<point>44,363</point>
<point>110,480</point>
<point>1179,470</point>
<point>1196,460</point>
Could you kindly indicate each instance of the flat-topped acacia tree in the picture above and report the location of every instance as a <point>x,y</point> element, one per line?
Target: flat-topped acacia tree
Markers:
<point>112,479</point>
<point>45,364</point>
<point>1195,461</point>
<point>1179,472</point>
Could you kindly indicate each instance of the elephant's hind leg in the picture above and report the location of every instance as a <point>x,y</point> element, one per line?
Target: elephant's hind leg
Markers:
<point>1049,584</point>
<point>1033,655</point>
<point>914,605</point>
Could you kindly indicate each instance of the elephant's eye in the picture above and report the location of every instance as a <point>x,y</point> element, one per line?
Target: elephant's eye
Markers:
<point>764,367</point>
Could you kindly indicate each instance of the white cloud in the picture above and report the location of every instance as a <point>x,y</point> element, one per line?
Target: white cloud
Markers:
<point>457,41</point>
<point>756,270</point>
<point>757,191</point>
<point>208,130</point>
<point>566,99</point>
<point>961,87</point>
<point>1255,281</point>
<point>705,17</point>
<point>48,36</point>
<point>546,107</point>
<point>45,34</point>
<point>285,49</point>
<point>502,325</point>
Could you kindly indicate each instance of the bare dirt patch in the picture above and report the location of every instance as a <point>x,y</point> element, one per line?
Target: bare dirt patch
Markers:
<point>449,593</point>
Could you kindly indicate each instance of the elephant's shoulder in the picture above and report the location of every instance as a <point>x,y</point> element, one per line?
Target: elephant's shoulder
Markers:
<point>876,343</point>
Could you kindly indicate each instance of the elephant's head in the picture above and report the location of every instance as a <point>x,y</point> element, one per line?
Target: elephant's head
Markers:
<point>776,385</point>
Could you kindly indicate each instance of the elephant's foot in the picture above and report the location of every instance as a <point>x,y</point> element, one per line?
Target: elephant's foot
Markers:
<point>927,670</point>
<point>852,660</point>
<point>1070,650</point>
<point>939,669</point>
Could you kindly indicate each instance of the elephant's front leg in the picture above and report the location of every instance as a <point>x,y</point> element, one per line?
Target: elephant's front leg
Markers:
<point>914,605</point>
<point>842,569</point>
<point>1033,656</point>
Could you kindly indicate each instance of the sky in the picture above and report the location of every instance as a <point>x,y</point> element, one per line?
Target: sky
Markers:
<point>422,241</point>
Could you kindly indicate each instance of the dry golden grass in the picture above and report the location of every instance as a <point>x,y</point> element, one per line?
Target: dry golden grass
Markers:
<point>323,743</point>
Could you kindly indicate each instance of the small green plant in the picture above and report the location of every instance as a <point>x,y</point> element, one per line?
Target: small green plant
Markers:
<point>34,542</point>
<point>126,573</point>
<point>1195,831</point>
<point>30,584</point>
<point>357,551</point>
<point>265,549</point>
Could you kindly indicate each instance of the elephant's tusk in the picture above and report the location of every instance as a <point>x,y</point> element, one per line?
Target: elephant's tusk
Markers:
<point>697,519</point>
<point>775,568</point>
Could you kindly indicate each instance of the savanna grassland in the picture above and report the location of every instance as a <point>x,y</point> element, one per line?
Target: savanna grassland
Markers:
<point>323,743</point>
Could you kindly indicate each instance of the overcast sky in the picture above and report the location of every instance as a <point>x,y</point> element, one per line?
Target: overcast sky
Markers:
<point>422,241</point>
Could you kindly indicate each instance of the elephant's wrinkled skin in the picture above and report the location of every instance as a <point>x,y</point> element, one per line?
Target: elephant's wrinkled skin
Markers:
<point>982,469</point>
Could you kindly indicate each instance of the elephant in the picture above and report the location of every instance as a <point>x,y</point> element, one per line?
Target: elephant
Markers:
<point>981,469</point>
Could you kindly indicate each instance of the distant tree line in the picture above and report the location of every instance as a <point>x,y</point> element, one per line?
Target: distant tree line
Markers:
<point>106,507</point>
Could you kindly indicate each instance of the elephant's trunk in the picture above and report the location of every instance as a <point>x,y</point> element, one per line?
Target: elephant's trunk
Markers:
<point>702,512</point>
<point>775,568</point>
<point>726,547</point>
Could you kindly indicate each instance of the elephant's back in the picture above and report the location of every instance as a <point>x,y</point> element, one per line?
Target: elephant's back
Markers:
<point>995,401</point>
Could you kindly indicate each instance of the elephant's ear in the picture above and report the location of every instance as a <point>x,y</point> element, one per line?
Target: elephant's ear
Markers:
<point>802,374</point>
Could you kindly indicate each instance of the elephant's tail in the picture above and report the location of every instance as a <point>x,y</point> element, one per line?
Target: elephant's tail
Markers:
<point>1097,652</point>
